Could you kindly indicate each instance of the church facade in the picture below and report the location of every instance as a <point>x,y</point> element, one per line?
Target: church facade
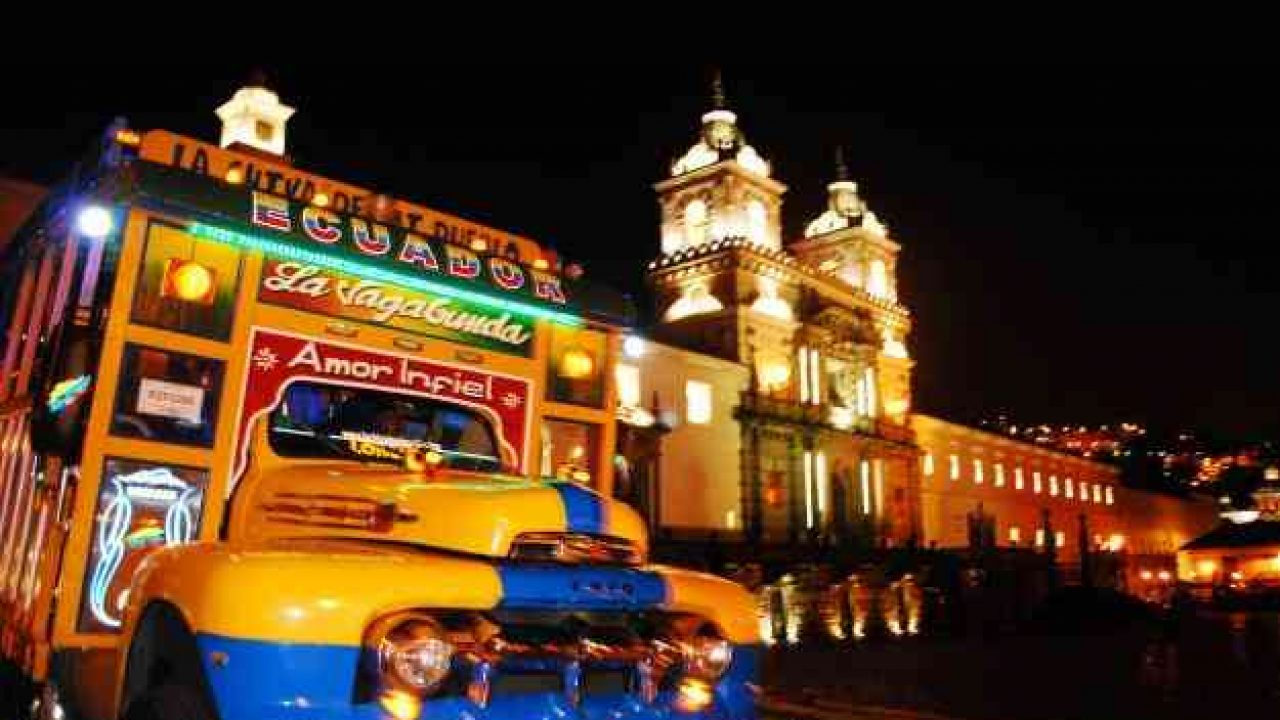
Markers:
<point>771,400</point>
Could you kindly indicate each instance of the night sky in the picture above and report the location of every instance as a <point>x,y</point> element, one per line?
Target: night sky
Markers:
<point>1081,245</point>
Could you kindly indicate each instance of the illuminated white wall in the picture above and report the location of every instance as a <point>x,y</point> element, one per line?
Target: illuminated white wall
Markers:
<point>701,463</point>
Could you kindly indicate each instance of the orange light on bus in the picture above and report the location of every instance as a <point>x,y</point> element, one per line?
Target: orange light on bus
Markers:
<point>234,175</point>
<point>577,364</point>
<point>320,200</point>
<point>479,245</point>
<point>188,281</point>
<point>541,264</point>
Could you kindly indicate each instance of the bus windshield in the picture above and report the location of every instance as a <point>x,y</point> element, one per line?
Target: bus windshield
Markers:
<point>330,421</point>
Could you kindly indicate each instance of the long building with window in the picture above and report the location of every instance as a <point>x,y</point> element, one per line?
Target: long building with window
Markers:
<point>772,401</point>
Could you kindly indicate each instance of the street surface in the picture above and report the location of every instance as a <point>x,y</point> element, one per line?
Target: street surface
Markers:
<point>1210,665</point>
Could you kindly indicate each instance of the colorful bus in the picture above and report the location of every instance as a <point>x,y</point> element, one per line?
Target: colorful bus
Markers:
<point>275,446</point>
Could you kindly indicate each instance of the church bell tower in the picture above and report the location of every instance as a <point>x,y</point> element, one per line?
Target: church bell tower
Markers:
<point>718,206</point>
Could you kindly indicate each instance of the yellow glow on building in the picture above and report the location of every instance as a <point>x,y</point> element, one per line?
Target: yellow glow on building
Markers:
<point>878,280</point>
<point>769,303</point>
<point>865,470</point>
<point>628,377</point>
<point>1018,481</point>
<point>808,489</point>
<point>815,376</point>
<point>869,382</point>
<point>820,476</point>
<point>696,300</point>
<point>877,467</point>
<point>955,467</point>
<point>803,361</point>
<point>999,474</point>
<point>697,396</point>
<point>977,471</point>
<point>774,375</point>
<point>926,464</point>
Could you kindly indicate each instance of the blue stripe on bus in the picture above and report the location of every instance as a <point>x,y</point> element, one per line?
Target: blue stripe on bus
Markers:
<point>584,510</point>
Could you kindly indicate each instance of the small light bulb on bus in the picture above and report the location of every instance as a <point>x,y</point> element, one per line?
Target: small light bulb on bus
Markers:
<point>320,200</point>
<point>633,346</point>
<point>479,245</point>
<point>94,221</point>
<point>234,175</point>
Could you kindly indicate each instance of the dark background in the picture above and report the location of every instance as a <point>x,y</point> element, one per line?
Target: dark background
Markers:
<point>1081,244</point>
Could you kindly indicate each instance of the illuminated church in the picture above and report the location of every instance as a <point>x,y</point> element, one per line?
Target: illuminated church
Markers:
<point>771,399</point>
<point>810,331</point>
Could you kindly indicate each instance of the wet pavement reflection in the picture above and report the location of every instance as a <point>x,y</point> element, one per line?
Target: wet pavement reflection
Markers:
<point>1201,664</point>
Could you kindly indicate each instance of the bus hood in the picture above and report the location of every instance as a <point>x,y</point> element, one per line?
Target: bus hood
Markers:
<point>484,514</point>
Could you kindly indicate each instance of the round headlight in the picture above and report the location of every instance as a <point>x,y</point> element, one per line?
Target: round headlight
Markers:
<point>416,655</point>
<point>708,657</point>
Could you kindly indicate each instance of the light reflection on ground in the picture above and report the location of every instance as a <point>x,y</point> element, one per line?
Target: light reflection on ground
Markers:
<point>1207,665</point>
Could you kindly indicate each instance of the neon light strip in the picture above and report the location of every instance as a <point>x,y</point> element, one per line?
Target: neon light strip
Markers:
<point>114,524</point>
<point>246,241</point>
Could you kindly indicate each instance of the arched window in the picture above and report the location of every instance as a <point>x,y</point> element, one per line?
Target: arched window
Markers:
<point>757,223</point>
<point>878,279</point>
<point>695,223</point>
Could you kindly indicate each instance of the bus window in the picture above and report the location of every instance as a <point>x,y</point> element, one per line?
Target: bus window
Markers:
<point>574,373</point>
<point>186,284</point>
<point>141,506</point>
<point>330,421</point>
<point>167,397</point>
<point>569,449</point>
